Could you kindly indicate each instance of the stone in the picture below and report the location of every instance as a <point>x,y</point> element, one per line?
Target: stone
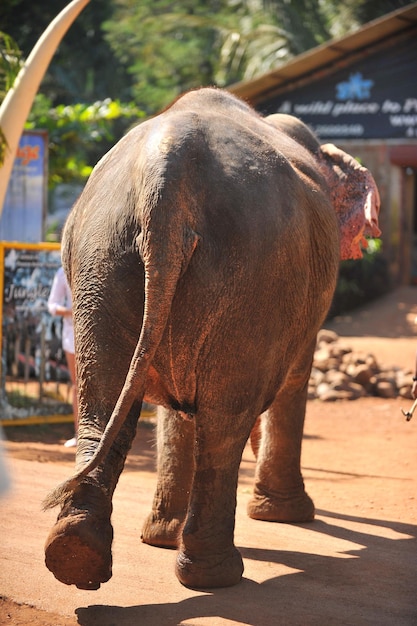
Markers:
<point>385,389</point>
<point>339,372</point>
<point>332,396</point>
<point>321,359</point>
<point>335,376</point>
<point>405,392</point>
<point>363,374</point>
<point>327,336</point>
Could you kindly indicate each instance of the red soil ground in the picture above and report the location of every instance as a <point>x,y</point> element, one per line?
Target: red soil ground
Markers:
<point>356,564</point>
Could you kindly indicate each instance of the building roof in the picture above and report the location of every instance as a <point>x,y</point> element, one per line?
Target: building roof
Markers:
<point>329,57</point>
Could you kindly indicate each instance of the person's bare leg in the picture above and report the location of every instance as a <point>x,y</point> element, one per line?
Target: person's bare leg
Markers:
<point>70,356</point>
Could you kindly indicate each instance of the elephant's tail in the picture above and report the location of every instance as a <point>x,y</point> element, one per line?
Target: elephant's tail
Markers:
<point>166,251</point>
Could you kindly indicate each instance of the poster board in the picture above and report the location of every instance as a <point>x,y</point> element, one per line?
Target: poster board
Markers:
<point>34,380</point>
<point>24,210</point>
<point>374,98</point>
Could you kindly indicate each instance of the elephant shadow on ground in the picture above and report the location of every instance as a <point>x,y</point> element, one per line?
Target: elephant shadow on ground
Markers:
<point>372,583</point>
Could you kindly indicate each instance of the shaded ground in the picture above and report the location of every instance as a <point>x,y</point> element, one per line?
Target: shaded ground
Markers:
<point>355,565</point>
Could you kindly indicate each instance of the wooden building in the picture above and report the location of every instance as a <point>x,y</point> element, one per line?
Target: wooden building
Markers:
<point>360,92</point>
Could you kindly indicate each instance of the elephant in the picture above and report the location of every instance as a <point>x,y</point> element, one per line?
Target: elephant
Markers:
<point>202,256</point>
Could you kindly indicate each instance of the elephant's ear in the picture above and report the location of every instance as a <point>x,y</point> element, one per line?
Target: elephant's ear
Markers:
<point>355,198</point>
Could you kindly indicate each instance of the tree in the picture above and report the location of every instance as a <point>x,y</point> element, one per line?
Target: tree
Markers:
<point>169,47</point>
<point>367,10</point>
<point>153,50</point>
<point>84,68</point>
<point>10,64</point>
<point>74,131</point>
<point>18,100</point>
<point>79,134</point>
<point>288,28</point>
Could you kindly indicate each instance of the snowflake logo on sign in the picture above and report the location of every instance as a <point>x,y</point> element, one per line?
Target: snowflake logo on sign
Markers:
<point>356,87</point>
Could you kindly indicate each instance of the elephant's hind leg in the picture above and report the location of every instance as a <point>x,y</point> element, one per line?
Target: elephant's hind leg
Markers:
<point>78,548</point>
<point>74,551</point>
<point>175,444</point>
<point>279,494</point>
<point>207,556</point>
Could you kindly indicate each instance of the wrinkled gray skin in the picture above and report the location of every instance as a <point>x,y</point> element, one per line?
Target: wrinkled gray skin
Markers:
<point>202,256</point>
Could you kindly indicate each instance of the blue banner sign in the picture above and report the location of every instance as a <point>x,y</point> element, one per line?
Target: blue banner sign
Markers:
<point>24,209</point>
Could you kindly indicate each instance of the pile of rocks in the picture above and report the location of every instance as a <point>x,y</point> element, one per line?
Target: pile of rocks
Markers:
<point>340,373</point>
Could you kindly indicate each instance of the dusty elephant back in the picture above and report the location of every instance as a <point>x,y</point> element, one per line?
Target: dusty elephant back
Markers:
<point>203,174</point>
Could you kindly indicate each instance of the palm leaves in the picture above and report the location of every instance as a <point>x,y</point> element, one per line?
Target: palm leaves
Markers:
<point>10,64</point>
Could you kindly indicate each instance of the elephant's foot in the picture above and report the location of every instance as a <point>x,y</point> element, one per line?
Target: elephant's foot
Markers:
<point>213,571</point>
<point>296,508</point>
<point>161,532</point>
<point>78,548</point>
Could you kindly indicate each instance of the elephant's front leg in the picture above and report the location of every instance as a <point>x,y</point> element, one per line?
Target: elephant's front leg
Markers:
<point>175,445</point>
<point>279,494</point>
<point>207,555</point>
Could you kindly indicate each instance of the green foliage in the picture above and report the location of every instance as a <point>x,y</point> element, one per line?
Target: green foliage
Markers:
<point>167,47</point>
<point>361,280</point>
<point>153,50</point>
<point>20,400</point>
<point>84,68</point>
<point>367,10</point>
<point>80,134</point>
<point>10,64</point>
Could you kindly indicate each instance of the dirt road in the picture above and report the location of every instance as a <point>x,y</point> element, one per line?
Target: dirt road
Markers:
<point>356,564</point>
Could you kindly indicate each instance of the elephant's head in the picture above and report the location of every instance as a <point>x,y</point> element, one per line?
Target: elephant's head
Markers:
<point>352,188</point>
